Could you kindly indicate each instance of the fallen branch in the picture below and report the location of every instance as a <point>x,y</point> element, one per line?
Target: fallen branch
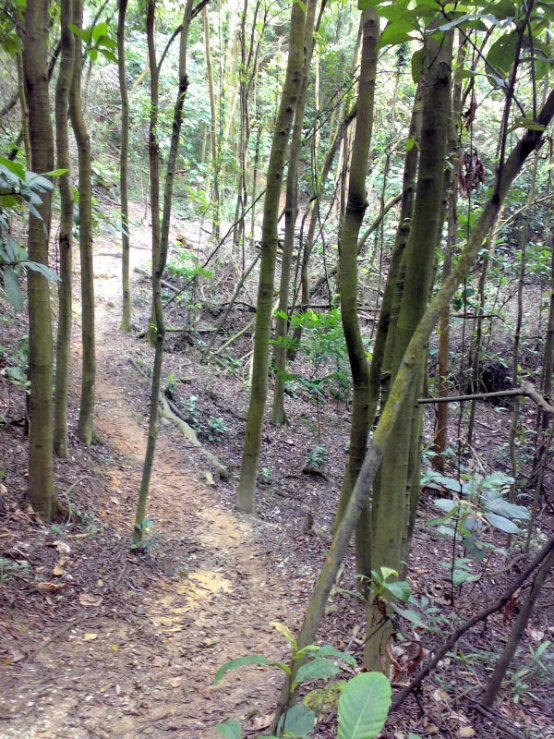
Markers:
<point>164,283</point>
<point>526,390</point>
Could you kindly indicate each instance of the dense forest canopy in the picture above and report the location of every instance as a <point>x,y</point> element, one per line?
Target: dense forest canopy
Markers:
<point>332,226</point>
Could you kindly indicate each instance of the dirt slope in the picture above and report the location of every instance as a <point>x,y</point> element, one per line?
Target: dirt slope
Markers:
<point>139,657</point>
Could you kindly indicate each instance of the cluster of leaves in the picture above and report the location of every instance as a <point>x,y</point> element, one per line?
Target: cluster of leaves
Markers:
<point>97,41</point>
<point>212,428</point>
<point>19,187</point>
<point>364,700</point>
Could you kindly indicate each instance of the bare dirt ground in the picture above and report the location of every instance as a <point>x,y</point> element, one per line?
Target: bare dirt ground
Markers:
<point>143,634</point>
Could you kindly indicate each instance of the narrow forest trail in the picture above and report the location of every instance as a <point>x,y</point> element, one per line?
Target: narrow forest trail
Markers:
<point>142,660</point>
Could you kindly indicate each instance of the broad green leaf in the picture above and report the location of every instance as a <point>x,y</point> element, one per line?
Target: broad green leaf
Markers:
<point>364,706</point>
<point>418,58</point>
<point>285,631</point>
<point>504,524</point>
<point>318,669</point>
<point>459,577</point>
<point>410,615</point>
<point>400,590</point>
<point>108,55</point>
<point>11,286</point>
<point>510,510</point>
<point>251,659</point>
<point>445,504</point>
<point>93,54</point>
<point>230,729</point>
<point>42,269</point>
<point>99,30</point>
<point>387,572</point>
<point>502,53</point>
<point>329,651</point>
<point>297,722</point>
<point>108,43</point>
<point>57,172</point>
<point>84,34</point>
<point>14,167</point>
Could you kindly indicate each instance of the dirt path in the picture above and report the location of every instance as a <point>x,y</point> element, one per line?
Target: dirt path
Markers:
<point>144,663</point>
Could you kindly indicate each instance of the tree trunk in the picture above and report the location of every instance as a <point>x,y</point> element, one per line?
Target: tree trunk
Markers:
<point>392,496</point>
<point>213,126</point>
<point>35,59</point>
<point>124,169</point>
<point>65,238</point>
<point>348,278</point>
<point>159,264</point>
<point>247,485</point>
<point>153,155</point>
<point>278,415</point>
<point>88,379</point>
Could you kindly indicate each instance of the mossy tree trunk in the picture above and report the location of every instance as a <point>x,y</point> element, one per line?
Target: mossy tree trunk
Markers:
<point>159,265</point>
<point>65,237</point>
<point>251,452</point>
<point>88,379</point>
<point>124,168</point>
<point>41,407</point>
<point>278,415</point>
<point>392,499</point>
<point>348,277</point>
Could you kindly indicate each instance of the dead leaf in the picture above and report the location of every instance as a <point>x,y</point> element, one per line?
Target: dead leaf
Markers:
<point>59,569</point>
<point>89,601</point>
<point>175,682</point>
<point>62,547</point>
<point>467,731</point>
<point>90,637</point>
<point>49,586</point>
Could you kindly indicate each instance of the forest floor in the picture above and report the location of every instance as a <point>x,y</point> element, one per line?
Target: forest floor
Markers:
<point>100,641</point>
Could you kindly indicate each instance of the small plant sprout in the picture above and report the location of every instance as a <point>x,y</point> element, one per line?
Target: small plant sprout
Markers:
<point>363,705</point>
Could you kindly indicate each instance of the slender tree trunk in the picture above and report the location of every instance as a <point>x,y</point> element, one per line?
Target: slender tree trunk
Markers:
<point>247,485</point>
<point>35,59</point>
<point>159,264</point>
<point>88,379</point>
<point>348,278</point>
<point>441,422</point>
<point>278,415</point>
<point>153,154</point>
<point>124,168</point>
<point>213,126</point>
<point>392,497</point>
<point>65,238</point>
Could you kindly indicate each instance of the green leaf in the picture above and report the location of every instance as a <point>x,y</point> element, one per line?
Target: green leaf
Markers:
<point>57,172</point>
<point>99,30</point>
<point>14,167</point>
<point>108,43</point>
<point>318,669</point>
<point>363,706</point>
<point>42,269</point>
<point>503,52</point>
<point>230,729</point>
<point>13,291</point>
<point>509,510</point>
<point>329,651</point>
<point>387,572</point>
<point>108,55</point>
<point>417,64</point>
<point>459,577</point>
<point>400,590</point>
<point>504,524</point>
<point>93,54</point>
<point>84,34</point>
<point>251,659</point>
<point>297,722</point>
<point>445,504</point>
<point>410,615</point>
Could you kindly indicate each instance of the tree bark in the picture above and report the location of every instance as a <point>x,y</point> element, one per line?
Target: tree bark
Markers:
<point>88,380</point>
<point>35,57</point>
<point>124,169</point>
<point>65,238</point>
<point>392,499</point>
<point>246,493</point>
